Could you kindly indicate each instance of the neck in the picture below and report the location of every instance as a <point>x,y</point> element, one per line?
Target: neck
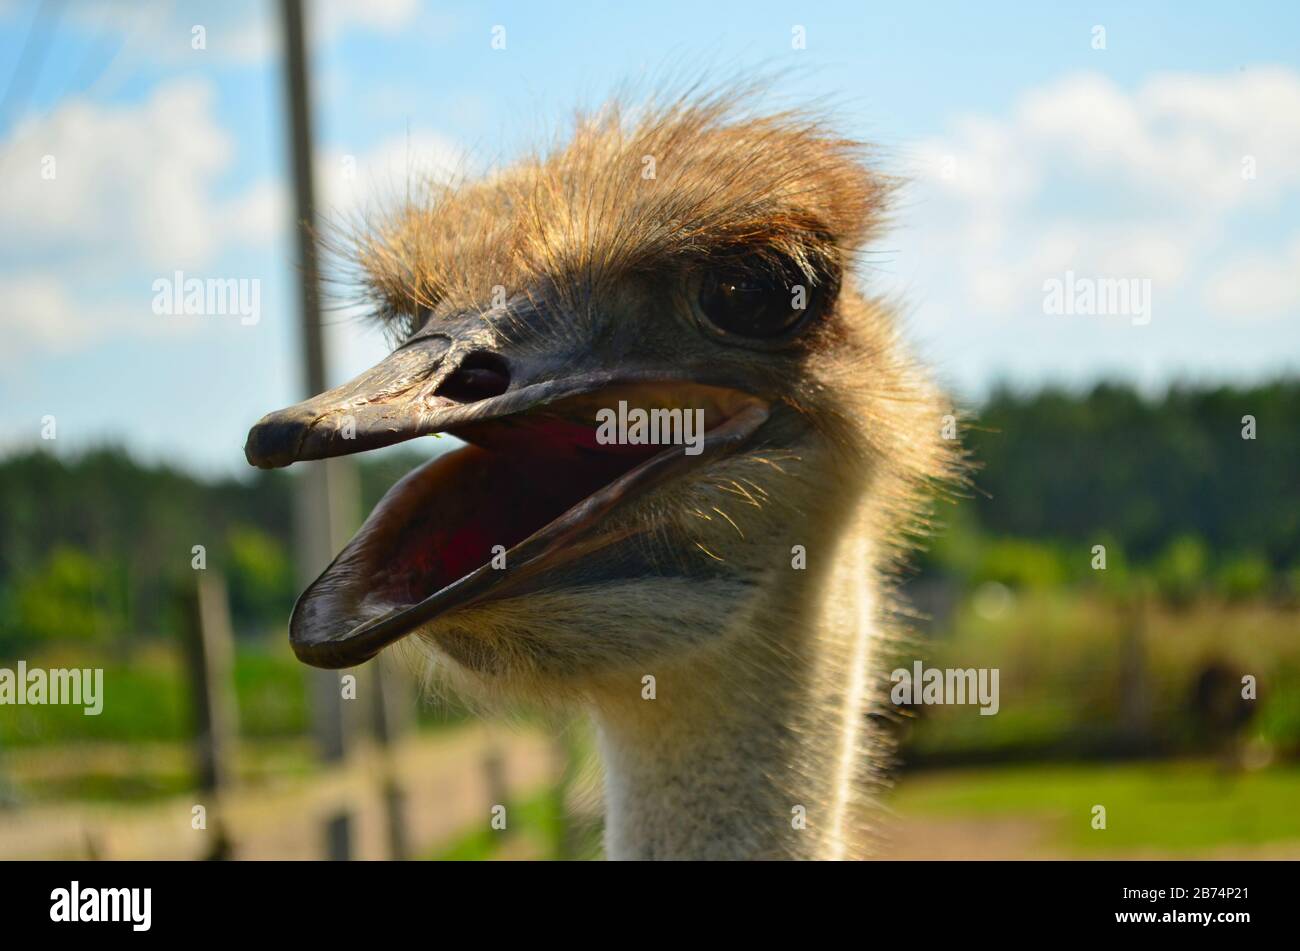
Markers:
<point>759,748</point>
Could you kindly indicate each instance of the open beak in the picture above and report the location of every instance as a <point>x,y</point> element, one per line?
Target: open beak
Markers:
<point>529,492</point>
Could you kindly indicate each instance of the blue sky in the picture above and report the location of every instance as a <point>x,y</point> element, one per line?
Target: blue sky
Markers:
<point>1031,154</point>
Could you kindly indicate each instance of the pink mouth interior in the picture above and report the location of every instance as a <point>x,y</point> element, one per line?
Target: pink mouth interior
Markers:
<point>519,474</point>
<point>516,477</point>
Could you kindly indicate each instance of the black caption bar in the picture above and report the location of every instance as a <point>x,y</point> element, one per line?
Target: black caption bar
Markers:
<point>135,901</point>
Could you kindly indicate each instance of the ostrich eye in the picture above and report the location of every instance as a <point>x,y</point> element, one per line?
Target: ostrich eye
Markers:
<point>756,303</point>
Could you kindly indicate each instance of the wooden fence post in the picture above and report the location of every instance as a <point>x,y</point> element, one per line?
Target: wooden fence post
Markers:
<point>209,653</point>
<point>494,775</point>
<point>391,717</point>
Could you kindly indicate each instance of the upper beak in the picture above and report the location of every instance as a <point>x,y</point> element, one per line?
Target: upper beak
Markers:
<point>440,380</point>
<point>381,406</point>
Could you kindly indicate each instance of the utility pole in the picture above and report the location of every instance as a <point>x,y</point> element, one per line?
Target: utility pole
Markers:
<point>325,512</point>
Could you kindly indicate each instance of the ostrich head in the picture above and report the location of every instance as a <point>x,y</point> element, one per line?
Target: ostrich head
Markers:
<point>690,257</point>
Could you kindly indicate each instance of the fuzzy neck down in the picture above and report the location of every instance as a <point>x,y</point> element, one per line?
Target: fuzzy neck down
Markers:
<point>762,746</point>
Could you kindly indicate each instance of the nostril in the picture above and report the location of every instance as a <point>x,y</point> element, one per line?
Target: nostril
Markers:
<point>480,376</point>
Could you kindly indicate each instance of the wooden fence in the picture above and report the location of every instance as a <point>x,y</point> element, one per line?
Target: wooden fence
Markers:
<point>380,790</point>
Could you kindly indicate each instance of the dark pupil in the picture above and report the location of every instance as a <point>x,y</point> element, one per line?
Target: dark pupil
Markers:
<point>749,305</point>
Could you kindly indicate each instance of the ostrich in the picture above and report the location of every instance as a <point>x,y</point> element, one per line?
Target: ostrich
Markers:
<point>721,615</point>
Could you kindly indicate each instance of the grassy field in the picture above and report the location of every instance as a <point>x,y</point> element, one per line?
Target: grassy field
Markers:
<point>1019,784</point>
<point>1185,809</point>
<point>146,698</point>
<point>1182,809</point>
<point>1086,676</point>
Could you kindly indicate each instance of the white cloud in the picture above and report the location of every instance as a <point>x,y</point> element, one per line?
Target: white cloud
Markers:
<point>256,35</point>
<point>1183,135</point>
<point>134,195</point>
<point>40,314</point>
<point>137,193</point>
<point>349,182</point>
<point>50,313</point>
<point>1084,175</point>
<point>242,33</point>
<point>1257,287</point>
<point>381,16</point>
<point>353,184</point>
<point>131,185</point>
<point>43,313</point>
<point>256,217</point>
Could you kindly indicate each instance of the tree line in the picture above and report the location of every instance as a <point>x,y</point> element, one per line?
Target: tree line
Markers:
<point>1197,482</point>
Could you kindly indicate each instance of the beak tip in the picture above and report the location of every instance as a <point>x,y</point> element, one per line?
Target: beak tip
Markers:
<point>316,615</point>
<point>275,441</point>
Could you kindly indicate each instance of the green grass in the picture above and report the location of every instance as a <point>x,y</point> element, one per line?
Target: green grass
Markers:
<point>1182,806</point>
<point>148,700</point>
<point>1064,680</point>
<point>110,787</point>
<point>546,833</point>
<point>1170,808</point>
<point>124,772</point>
<point>535,819</point>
